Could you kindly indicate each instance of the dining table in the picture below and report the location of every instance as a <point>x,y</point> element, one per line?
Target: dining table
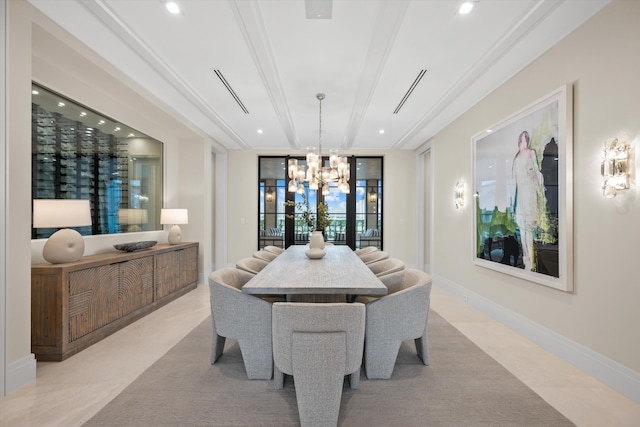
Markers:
<point>292,272</point>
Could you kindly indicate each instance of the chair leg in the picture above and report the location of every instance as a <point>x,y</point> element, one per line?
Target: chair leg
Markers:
<point>258,359</point>
<point>278,378</point>
<point>380,359</point>
<point>422,348</point>
<point>217,346</point>
<point>354,380</point>
<point>318,375</point>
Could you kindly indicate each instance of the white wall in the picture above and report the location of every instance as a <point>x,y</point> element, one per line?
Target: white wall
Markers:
<point>601,61</point>
<point>194,194</point>
<point>18,197</point>
<point>398,202</point>
<point>3,181</point>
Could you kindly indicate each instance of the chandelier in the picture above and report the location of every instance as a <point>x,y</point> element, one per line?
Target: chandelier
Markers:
<point>316,175</point>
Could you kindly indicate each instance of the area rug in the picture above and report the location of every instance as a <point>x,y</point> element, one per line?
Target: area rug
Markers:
<point>462,386</point>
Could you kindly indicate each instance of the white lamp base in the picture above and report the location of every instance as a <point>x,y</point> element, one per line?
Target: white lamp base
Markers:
<point>64,245</point>
<point>175,235</point>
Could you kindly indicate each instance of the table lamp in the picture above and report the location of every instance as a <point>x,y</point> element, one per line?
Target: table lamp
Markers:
<point>65,245</point>
<point>175,217</point>
<point>132,218</point>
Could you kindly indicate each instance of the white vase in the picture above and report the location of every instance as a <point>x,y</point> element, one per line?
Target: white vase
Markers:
<point>317,240</point>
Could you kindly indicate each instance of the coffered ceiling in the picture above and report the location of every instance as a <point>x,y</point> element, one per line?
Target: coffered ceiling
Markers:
<point>246,72</point>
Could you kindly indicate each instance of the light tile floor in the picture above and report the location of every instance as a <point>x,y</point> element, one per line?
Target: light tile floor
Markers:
<point>69,393</point>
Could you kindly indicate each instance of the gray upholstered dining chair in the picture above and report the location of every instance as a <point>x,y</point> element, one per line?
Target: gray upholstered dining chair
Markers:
<point>390,271</point>
<point>365,250</point>
<point>394,318</point>
<point>276,250</point>
<point>251,264</point>
<point>318,344</point>
<point>386,266</point>
<point>265,255</point>
<point>374,256</point>
<point>393,281</point>
<point>243,317</point>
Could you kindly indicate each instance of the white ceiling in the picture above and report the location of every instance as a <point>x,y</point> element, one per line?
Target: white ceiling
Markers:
<point>365,58</point>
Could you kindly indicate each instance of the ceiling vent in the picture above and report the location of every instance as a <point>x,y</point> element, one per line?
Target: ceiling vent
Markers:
<point>318,9</point>
<point>410,91</point>
<point>231,91</point>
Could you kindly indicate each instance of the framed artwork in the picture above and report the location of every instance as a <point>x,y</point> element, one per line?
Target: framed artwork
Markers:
<point>522,183</point>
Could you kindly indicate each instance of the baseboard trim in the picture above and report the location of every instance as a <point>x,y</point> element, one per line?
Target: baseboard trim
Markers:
<point>604,369</point>
<point>21,372</point>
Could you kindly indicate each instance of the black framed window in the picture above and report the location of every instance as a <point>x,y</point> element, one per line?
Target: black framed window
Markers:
<point>368,214</point>
<point>356,218</point>
<point>271,202</point>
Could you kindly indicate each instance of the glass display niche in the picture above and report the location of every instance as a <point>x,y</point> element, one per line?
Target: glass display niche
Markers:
<point>78,153</point>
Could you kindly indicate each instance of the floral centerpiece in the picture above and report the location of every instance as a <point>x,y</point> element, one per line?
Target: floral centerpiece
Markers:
<point>318,221</point>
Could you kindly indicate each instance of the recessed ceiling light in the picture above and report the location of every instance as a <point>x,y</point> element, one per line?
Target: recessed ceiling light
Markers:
<point>101,122</point>
<point>172,7</point>
<point>130,135</point>
<point>116,129</point>
<point>381,131</point>
<point>82,114</point>
<point>465,7</point>
<point>35,92</point>
<point>260,131</point>
<point>489,130</point>
<point>60,104</point>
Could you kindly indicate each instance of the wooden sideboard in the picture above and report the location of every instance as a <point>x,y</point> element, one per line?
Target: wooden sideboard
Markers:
<point>76,304</point>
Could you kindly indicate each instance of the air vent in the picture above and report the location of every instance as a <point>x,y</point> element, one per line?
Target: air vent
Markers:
<point>410,91</point>
<point>230,89</point>
<point>318,9</point>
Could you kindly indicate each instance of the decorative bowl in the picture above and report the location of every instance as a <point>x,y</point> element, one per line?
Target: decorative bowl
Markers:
<point>315,253</point>
<point>135,246</point>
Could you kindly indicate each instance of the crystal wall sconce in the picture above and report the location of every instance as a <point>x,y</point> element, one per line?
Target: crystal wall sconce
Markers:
<point>458,195</point>
<point>614,167</point>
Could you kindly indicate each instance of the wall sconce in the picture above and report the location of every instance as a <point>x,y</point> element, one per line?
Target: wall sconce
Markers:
<point>175,217</point>
<point>458,195</point>
<point>65,245</point>
<point>614,167</point>
<point>269,195</point>
<point>373,196</point>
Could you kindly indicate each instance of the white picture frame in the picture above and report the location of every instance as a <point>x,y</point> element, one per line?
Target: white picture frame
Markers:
<point>523,198</point>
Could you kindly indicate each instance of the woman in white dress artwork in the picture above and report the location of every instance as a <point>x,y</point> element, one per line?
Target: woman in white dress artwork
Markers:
<point>529,195</point>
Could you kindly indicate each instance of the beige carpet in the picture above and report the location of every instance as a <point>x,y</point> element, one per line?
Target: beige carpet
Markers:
<point>462,386</point>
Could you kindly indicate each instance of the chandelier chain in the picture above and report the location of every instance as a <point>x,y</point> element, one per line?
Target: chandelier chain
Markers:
<point>320,97</point>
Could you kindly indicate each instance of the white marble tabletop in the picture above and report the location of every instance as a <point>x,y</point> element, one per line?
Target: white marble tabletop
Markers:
<point>341,271</point>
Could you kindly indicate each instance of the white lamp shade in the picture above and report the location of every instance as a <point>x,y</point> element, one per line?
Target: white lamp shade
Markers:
<point>174,216</point>
<point>61,213</point>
